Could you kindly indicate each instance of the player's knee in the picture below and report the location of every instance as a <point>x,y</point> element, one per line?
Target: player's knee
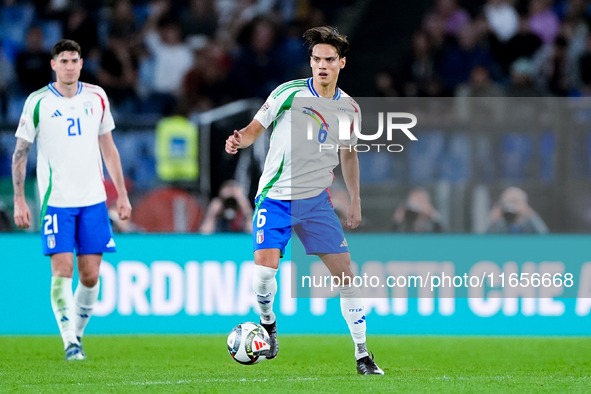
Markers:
<point>62,266</point>
<point>267,258</point>
<point>89,280</point>
<point>62,271</point>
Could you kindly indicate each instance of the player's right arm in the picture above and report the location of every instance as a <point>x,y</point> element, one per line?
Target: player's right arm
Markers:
<point>278,101</point>
<point>22,214</point>
<point>245,137</point>
<point>25,136</point>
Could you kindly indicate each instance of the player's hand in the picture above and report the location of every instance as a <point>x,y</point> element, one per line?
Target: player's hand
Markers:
<point>123,207</point>
<point>233,142</point>
<point>353,215</point>
<point>22,213</point>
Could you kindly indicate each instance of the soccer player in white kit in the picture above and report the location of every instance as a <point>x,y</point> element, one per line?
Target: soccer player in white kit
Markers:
<point>292,191</point>
<point>72,123</point>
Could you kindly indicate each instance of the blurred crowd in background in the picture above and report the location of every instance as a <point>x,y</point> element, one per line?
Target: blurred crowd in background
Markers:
<point>516,48</point>
<point>162,61</point>
<point>151,55</point>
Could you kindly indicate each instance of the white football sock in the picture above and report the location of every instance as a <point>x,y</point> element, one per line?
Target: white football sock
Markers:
<point>354,313</point>
<point>84,299</point>
<point>265,287</point>
<point>62,302</point>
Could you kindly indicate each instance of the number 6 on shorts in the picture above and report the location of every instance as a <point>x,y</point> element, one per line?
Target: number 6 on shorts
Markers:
<point>261,219</point>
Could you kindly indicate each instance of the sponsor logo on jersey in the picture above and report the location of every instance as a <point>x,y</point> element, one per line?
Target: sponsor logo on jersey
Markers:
<point>22,122</point>
<point>260,236</point>
<point>56,114</point>
<point>88,108</point>
<point>51,241</point>
<point>111,243</point>
<point>265,107</point>
<point>344,243</point>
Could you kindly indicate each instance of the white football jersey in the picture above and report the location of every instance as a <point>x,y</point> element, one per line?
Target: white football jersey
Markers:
<point>69,164</point>
<point>296,167</point>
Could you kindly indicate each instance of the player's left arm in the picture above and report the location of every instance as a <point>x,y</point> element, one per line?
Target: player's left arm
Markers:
<point>113,162</point>
<point>350,169</point>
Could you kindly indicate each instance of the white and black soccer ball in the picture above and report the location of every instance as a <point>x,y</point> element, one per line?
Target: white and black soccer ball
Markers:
<point>248,343</point>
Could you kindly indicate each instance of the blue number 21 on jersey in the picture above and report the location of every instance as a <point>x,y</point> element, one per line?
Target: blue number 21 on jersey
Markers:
<point>73,122</point>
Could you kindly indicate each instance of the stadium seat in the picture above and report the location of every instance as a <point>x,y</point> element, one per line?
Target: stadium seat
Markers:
<point>457,163</point>
<point>516,153</point>
<point>14,22</point>
<point>15,108</point>
<point>374,167</point>
<point>425,156</point>
<point>547,156</point>
<point>52,33</point>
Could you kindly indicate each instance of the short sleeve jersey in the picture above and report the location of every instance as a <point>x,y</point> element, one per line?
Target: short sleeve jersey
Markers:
<point>296,172</point>
<point>69,164</point>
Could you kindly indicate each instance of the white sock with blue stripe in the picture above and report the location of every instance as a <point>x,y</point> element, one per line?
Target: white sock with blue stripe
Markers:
<point>264,285</point>
<point>84,299</point>
<point>354,313</point>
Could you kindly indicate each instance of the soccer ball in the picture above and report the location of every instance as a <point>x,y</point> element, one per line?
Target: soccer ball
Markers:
<point>248,343</point>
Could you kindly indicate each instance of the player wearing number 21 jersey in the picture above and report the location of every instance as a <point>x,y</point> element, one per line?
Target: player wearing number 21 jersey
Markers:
<point>69,164</point>
<point>71,122</point>
<point>306,116</point>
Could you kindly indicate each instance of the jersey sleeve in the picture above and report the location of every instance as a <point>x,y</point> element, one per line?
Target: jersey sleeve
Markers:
<point>29,121</point>
<point>107,122</point>
<point>278,101</point>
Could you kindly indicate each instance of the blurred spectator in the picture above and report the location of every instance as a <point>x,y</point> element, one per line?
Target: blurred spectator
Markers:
<point>258,63</point>
<point>502,18</point>
<point>118,72</point>
<point>82,28</point>
<point>454,16</point>
<point>458,62</point>
<point>488,109</point>
<point>543,22</point>
<point>417,214</point>
<point>206,86</point>
<point>512,214</point>
<point>385,85</point>
<point>434,27</point>
<point>419,68</point>
<point>201,19</point>
<point>177,147</point>
<point>554,68</point>
<point>7,76</point>
<point>172,57</point>
<point>524,44</point>
<point>585,70</point>
<point>522,82</point>
<point>123,20</point>
<point>480,85</point>
<point>230,212</point>
<point>236,15</point>
<point>33,63</point>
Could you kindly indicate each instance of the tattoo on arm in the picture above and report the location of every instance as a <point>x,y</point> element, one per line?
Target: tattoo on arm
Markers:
<point>19,166</point>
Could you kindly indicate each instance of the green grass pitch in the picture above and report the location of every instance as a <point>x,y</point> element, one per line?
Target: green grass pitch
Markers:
<point>310,363</point>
